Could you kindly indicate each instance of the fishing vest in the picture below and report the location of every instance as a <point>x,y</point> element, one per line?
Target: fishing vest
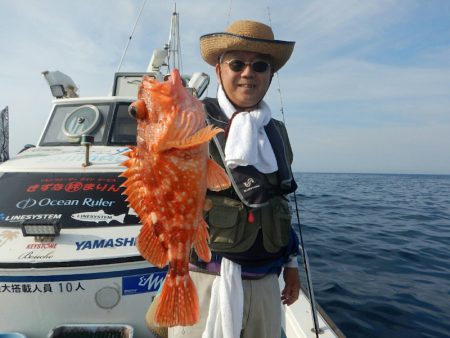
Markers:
<point>252,218</point>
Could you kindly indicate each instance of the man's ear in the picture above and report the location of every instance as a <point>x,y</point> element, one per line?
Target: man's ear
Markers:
<point>218,75</point>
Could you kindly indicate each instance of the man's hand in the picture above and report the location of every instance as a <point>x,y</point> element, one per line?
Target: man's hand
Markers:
<point>291,289</point>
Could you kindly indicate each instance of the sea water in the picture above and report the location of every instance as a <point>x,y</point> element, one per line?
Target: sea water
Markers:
<point>379,251</point>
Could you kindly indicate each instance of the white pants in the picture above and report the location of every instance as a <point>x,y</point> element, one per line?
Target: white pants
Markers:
<point>262,308</point>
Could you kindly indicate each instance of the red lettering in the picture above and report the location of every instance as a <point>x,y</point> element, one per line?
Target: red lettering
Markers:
<point>33,188</point>
<point>73,186</point>
<point>58,187</point>
<point>114,188</point>
<point>45,187</point>
<point>89,186</point>
<point>101,187</point>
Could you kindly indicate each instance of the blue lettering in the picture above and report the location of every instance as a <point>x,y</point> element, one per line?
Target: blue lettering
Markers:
<point>129,241</point>
<point>79,245</point>
<point>109,243</point>
<point>98,244</point>
<point>106,243</point>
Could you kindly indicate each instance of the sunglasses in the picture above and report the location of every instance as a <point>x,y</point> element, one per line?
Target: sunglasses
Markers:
<point>239,65</point>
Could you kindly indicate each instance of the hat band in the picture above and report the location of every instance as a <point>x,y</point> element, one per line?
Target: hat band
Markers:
<point>249,38</point>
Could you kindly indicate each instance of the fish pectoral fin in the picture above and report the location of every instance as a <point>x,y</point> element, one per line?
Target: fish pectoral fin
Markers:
<point>216,177</point>
<point>201,241</point>
<point>200,137</point>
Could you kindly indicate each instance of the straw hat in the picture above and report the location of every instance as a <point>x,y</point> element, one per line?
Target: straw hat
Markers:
<point>249,36</point>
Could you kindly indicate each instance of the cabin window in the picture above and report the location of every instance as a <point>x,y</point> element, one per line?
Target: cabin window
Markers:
<point>124,127</point>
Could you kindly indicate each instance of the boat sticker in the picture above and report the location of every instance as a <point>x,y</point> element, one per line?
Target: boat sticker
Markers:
<point>33,255</point>
<point>76,199</point>
<point>26,288</point>
<point>105,243</point>
<point>44,202</point>
<point>36,217</point>
<point>43,245</point>
<point>150,282</point>
<point>7,236</point>
<point>98,216</point>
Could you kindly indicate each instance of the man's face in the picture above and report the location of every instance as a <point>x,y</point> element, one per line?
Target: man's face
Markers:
<point>247,87</point>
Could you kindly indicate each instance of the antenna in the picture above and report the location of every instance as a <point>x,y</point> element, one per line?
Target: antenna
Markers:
<point>131,36</point>
<point>173,46</point>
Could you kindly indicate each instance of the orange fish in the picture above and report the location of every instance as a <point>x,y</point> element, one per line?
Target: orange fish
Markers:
<point>168,173</point>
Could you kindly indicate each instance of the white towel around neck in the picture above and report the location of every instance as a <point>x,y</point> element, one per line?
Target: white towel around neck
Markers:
<point>247,142</point>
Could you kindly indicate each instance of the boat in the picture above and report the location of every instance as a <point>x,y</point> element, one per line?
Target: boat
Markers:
<point>69,266</point>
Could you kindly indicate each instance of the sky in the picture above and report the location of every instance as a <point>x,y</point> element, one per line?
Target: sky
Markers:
<point>367,88</point>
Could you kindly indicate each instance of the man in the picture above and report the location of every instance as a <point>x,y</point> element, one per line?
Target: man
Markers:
<point>251,237</point>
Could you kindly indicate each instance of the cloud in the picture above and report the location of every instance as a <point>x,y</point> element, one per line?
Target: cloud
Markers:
<point>362,72</point>
<point>350,79</point>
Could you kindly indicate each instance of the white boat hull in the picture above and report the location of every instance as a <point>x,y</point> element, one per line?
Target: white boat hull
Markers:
<point>39,300</point>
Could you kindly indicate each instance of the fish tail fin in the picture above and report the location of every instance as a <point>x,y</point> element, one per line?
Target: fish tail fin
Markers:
<point>178,302</point>
<point>216,177</point>
<point>151,247</point>
<point>201,241</point>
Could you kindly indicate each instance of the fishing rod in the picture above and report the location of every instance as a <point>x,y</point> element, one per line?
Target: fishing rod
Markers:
<point>316,329</point>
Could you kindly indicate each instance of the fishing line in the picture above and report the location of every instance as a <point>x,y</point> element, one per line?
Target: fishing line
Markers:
<point>302,248</point>
<point>229,12</point>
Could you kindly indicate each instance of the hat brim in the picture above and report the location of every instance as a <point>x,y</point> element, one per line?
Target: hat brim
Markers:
<point>212,46</point>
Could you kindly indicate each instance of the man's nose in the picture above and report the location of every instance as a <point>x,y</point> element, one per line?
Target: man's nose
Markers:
<point>248,70</point>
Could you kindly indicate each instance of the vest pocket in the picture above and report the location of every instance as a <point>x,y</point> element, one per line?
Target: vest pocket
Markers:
<point>276,224</point>
<point>225,222</point>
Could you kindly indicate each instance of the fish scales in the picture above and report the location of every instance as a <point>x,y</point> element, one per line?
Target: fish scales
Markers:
<point>167,175</point>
